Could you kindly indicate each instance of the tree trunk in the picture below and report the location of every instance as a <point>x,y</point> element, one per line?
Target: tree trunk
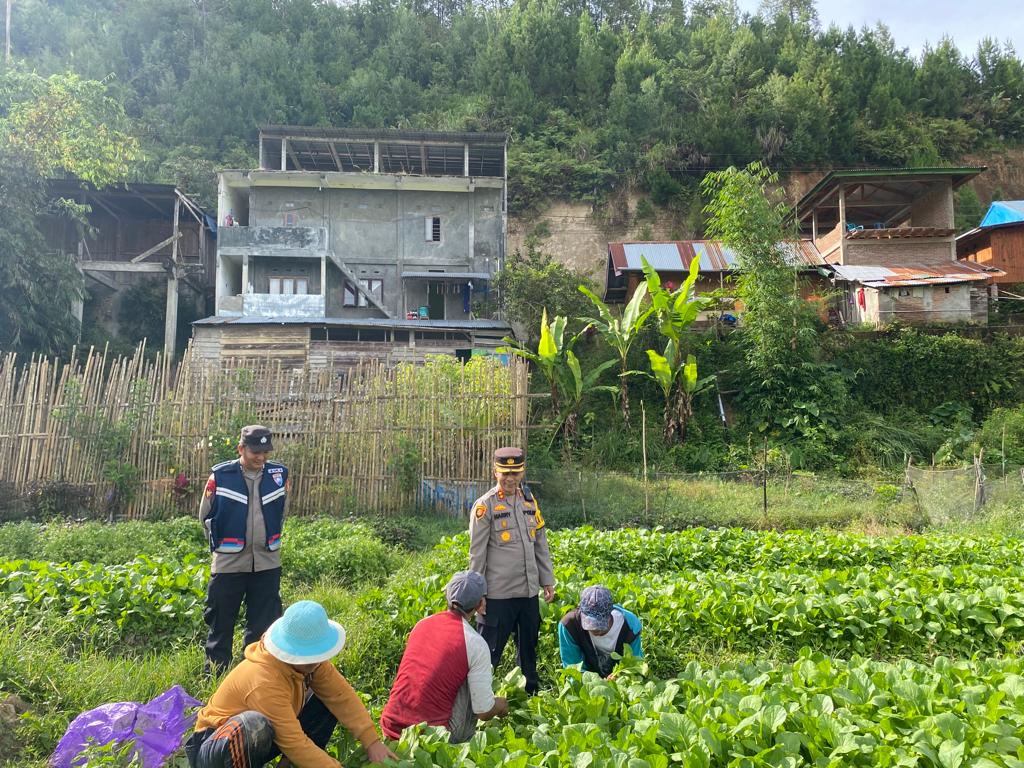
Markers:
<point>624,395</point>
<point>671,426</point>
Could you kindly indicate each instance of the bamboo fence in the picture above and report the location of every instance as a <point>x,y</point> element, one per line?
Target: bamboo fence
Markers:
<point>138,436</point>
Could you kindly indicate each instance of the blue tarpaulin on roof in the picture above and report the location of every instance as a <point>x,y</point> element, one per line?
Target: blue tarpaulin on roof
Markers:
<point>1004,212</point>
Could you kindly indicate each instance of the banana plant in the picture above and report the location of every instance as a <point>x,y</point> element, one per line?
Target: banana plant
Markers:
<point>679,386</point>
<point>576,386</point>
<point>619,333</point>
<point>561,369</point>
<point>674,373</point>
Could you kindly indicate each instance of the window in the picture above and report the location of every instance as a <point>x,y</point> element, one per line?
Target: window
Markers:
<point>291,219</point>
<point>289,286</point>
<point>947,289</point>
<point>432,231</point>
<point>905,292</point>
<point>353,298</point>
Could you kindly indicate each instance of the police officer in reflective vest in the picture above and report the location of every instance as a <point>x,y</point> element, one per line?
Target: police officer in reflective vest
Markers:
<point>243,511</point>
<point>508,545</point>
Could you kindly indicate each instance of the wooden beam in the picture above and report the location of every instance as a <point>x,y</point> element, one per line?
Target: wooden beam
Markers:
<point>899,216</point>
<point>102,279</point>
<point>152,205</point>
<point>163,243</point>
<point>906,196</point>
<point>284,155</point>
<point>376,157</point>
<point>95,198</point>
<point>171,315</point>
<point>334,154</point>
<point>190,206</point>
<point>121,266</point>
<point>295,158</point>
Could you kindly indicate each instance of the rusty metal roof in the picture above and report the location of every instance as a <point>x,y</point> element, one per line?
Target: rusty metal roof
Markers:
<point>677,255</point>
<point>915,274</point>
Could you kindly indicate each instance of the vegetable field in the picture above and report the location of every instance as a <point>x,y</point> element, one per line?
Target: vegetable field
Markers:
<point>761,649</point>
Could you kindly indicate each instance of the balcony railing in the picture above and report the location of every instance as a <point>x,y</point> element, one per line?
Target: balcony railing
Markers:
<point>256,240</point>
<point>277,305</point>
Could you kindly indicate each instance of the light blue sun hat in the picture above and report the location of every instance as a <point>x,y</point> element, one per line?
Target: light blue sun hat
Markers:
<point>304,635</point>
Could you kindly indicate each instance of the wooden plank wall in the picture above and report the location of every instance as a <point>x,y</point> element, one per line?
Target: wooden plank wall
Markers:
<point>1008,254</point>
<point>379,438</point>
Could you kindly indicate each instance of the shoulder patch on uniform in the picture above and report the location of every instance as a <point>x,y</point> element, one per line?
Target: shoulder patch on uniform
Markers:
<point>211,486</point>
<point>480,511</point>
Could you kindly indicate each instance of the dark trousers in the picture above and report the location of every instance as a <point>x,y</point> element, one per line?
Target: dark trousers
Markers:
<point>246,740</point>
<point>261,591</point>
<point>518,617</point>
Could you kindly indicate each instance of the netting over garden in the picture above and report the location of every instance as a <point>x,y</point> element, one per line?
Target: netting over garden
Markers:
<point>946,495</point>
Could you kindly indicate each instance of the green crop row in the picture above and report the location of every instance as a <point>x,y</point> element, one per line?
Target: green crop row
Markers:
<point>315,548</point>
<point>916,612</point>
<point>143,601</point>
<point>913,611</point>
<point>815,711</point>
<point>734,549</point>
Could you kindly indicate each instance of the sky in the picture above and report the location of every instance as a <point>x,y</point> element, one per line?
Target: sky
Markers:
<point>915,22</point>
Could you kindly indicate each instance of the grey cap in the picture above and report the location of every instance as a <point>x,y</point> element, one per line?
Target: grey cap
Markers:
<point>465,589</point>
<point>256,438</point>
<point>596,608</point>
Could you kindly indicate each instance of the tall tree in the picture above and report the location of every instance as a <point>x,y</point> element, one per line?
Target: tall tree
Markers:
<point>49,126</point>
<point>778,330</point>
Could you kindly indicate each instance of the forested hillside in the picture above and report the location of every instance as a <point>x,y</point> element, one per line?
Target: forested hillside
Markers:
<point>593,94</point>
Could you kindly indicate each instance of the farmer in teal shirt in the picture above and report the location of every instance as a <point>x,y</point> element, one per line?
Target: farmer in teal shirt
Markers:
<point>595,630</point>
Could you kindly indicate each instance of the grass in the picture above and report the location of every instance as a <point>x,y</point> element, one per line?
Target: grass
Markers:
<point>612,500</point>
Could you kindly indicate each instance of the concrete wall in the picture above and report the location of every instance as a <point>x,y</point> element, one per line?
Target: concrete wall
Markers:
<point>934,209</point>
<point>261,268</point>
<point>897,253</point>
<point>381,233</point>
<point>928,304</point>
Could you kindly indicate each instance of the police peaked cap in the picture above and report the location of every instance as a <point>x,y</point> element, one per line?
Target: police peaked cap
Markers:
<point>509,460</point>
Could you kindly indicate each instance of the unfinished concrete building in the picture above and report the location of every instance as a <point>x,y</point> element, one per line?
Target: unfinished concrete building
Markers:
<point>347,243</point>
<point>889,236</point>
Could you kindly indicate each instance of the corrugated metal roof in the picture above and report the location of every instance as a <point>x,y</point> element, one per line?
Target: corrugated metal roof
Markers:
<point>664,257</point>
<point>832,179</point>
<point>382,134</point>
<point>914,274</point>
<point>1004,212</point>
<point>676,255</point>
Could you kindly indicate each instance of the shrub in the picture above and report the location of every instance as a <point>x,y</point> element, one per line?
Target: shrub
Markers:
<point>346,553</point>
<point>1003,427</point>
<point>102,543</point>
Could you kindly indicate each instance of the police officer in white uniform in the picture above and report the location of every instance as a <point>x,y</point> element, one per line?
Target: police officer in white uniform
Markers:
<point>508,545</point>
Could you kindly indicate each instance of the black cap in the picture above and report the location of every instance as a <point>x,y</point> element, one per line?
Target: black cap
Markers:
<point>256,438</point>
<point>509,459</point>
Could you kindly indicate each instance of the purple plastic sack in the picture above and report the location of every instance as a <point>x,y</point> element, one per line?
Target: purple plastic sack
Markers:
<point>157,728</point>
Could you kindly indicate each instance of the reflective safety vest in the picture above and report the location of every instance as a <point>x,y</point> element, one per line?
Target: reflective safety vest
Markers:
<point>229,508</point>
